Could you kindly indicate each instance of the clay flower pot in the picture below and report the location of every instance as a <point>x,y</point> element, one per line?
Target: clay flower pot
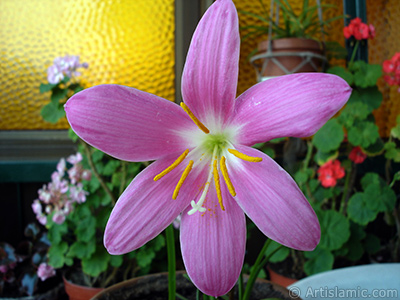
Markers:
<point>155,287</point>
<point>79,292</point>
<point>288,55</point>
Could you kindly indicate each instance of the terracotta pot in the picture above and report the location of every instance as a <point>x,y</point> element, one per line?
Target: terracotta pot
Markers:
<point>80,292</point>
<point>280,279</point>
<point>155,287</point>
<point>286,52</point>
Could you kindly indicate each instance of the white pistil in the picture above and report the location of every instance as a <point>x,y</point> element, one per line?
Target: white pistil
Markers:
<point>199,205</point>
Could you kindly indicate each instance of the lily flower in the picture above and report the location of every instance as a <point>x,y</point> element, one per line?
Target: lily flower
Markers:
<point>205,168</point>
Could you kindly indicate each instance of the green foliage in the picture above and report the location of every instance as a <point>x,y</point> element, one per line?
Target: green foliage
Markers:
<point>279,255</point>
<point>319,260</point>
<point>329,137</point>
<point>305,24</point>
<point>335,229</point>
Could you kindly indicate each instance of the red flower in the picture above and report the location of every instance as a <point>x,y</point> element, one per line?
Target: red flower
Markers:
<point>392,68</point>
<point>357,155</point>
<point>359,30</point>
<point>330,172</point>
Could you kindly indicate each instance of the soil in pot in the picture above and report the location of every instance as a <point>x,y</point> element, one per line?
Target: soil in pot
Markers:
<point>155,287</point>
<point>293,47</point>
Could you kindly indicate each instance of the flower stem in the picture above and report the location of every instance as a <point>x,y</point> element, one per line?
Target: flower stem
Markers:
<point>256,270</point>
<point>353,55</point>
<point>96,173</point>
<point>171,262</point>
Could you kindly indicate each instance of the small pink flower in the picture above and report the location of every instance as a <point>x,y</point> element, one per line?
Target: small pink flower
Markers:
<point>357,155</point>
<point>74,159</point>
<point>86,175</point>
<point>59,217</point>
<point>359,30</point>
<point>37,207</point>
<point>45,271</point>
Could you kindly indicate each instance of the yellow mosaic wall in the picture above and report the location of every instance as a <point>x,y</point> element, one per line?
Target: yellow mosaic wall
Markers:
<point>129,42</point>
<point>384,14</point>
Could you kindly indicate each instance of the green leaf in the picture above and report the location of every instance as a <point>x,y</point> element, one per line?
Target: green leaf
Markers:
<point>355,251</point>
<point>81,249</point>
<point>279,255</point>
<point>342,72</point>
<point>97,263</point>
<point>335,229</point>
<point>329,137</point>
<point>58,94</point>
<point>371,179</point>
<point>86,229</point>
<point>43,88</point>
<point>372,243</point>
<point>72,135</point>
<point>302,176</point>
<point>359,211</point>
<point>365,75</point>
<point>116,260</point>
<point>56,232</point>
<point>52,113</point>
<point>57,255</point>
<point>111,167</point>
<point>392,152</point>
<point>363,134</point>
<point>321,261</point>
<point>371,96</point>
<point>395,132</point>
<point>322,157</point>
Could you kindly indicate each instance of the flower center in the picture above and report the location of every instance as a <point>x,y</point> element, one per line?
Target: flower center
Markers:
<point>217,147</point>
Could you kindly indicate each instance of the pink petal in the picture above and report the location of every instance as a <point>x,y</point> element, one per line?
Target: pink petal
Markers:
<point>127,123</point>
<point>146,207</point>
<point>295,105</point>
<point>213,244</point>
<point>273,201</point>
<point>210,74</point>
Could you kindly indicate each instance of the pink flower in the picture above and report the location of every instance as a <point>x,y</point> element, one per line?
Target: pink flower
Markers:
<point>357,155</point>
<point>45,271</point>
<point>392,68</point>
<point>59,217</point>
<point>74,159</point>
<point>330,172</point>
<point>204,165</point>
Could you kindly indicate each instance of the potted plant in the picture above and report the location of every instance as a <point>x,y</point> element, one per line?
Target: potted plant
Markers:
<point>349,174</point>
<point>293,44</point>
<point>24,272</point>
<point>75,205</point>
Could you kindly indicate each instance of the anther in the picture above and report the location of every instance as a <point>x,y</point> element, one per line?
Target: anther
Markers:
<point>225,174</point>
<point>244,156</point>
<point>217,184</point>
<point>172,166</point>
<point>182,179</point>
<point>194,119</point>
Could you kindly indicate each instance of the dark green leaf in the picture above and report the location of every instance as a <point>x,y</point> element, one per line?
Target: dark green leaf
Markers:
<point>46,87</point>
<point>58,94</point>
<point>86,229</point>
<point>329,137</point>
<point>97,263</point>
<point>81,249</point>
<point>320,262</point>
<point>116,260</point>
<point>372,244</point>
<point>342,72</point>
<point>358,210</point>
<point>52,113</point>
<point>278,256</point>
<point>335,229</point>
<point>57,255</point>
<point>371,96</point>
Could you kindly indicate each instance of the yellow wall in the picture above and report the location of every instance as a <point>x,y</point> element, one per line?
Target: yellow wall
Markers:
<point>128,42</point>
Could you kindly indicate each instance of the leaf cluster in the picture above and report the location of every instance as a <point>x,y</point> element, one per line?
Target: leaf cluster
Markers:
<point>60,93</point>
<point>305,24</point>
<point>78,242</point>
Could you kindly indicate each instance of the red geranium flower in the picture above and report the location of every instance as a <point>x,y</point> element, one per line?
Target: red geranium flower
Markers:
<point>330,172</point>
<point>359,30</point>
<point>392,68</point>
<point>357,155</point>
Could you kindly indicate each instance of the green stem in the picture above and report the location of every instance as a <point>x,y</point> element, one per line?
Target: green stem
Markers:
<point>308,155</point>
<point>353,55</point>
<point>171,262</point>
<point>240,285</point>
<point>256,270</point>
<point>96,173</point>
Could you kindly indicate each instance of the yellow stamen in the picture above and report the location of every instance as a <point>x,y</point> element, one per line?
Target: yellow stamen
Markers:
<point>244,156</point>
<point>194,119</point>
<point>225,174</point>
<point>217,184</point>
<point>183,177</point>
<point>173,165</point>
